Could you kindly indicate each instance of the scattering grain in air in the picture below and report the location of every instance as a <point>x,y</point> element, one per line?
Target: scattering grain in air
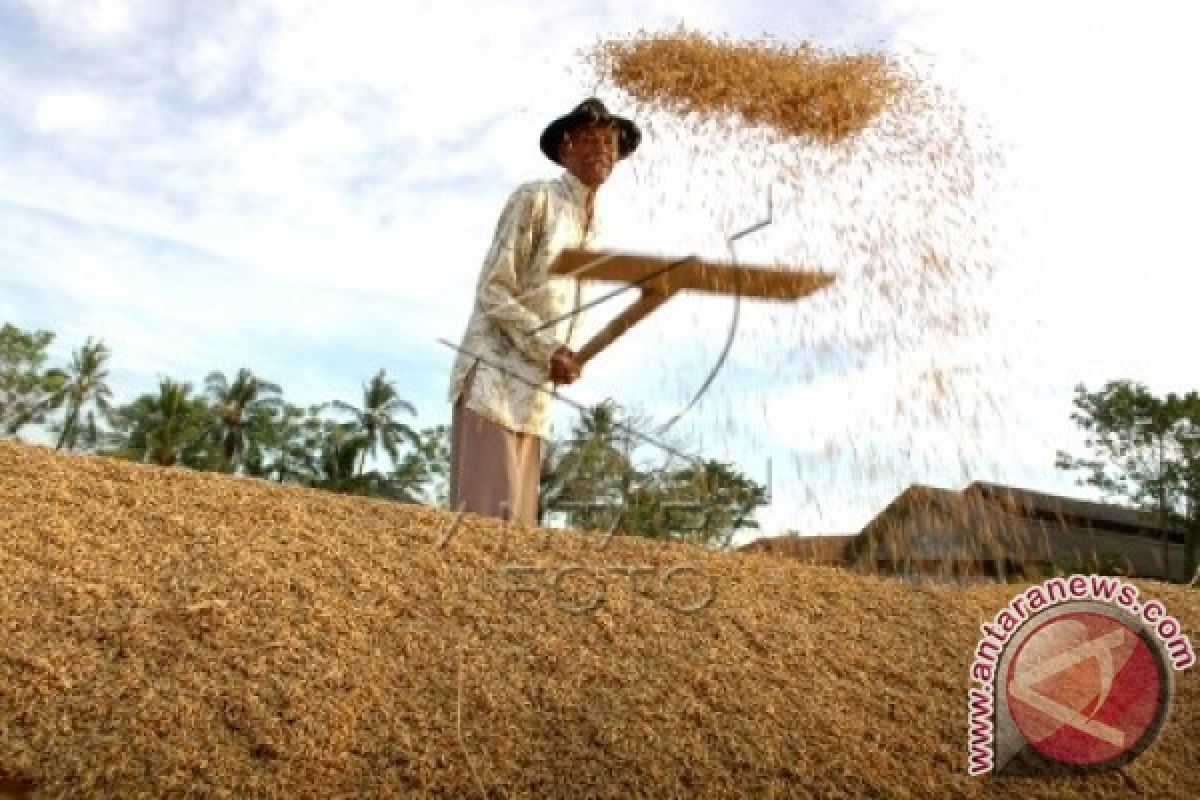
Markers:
<point>798,89</point>
<point>880,175</point>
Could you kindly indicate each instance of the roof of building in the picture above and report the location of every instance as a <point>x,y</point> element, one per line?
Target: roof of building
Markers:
<point>953,522</point>
<point>1001,517</point>
<point>816,549</point>
<point>1078,513</point>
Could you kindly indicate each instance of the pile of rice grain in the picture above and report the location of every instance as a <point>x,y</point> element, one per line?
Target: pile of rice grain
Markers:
<point>170,633</point>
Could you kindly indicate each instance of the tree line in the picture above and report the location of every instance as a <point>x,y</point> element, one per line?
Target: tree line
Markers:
<point>1144,449</point>
<point>594,477</point>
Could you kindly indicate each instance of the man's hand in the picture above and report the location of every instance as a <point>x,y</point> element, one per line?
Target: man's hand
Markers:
<point>563,367</point>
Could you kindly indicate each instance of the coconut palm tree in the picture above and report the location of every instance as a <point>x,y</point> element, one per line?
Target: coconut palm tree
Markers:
<point>278,443</point>
<point>234,405</point>
<point>422,475</point>
<point>376,423</point>
<point>591,473</point>
<point>84,382</point>
<point>166,428</point>
<point>337,449</point>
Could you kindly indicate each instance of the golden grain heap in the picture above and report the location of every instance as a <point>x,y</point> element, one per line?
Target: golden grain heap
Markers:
<point>878,174</point>
<point>172,633</point>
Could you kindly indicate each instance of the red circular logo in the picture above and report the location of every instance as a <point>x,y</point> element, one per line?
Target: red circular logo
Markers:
<point>1084,688</point>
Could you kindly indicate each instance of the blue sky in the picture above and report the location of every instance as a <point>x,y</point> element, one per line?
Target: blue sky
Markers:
<point>307,189</point>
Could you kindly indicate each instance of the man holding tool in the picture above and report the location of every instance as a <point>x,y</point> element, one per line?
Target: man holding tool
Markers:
<point>498,388</point>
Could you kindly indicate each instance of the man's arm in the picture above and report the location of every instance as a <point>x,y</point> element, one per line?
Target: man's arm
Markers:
<point>499,286</point>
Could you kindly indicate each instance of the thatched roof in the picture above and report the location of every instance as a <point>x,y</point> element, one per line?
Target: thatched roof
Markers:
<point>1070,511</point>
<point>812,549</point>
<point>926,522</point>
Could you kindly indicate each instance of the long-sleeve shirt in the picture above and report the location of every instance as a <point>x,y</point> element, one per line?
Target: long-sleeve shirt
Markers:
<point>514,295</point>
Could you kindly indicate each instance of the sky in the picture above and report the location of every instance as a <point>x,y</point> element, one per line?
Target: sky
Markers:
<point>308,189</point>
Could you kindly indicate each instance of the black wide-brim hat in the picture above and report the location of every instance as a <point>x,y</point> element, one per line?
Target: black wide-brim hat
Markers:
<point>590,110</point>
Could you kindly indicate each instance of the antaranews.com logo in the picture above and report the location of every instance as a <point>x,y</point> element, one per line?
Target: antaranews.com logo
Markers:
<point>1074,675</point>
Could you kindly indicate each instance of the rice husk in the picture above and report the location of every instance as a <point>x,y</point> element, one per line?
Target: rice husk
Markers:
<point>177,633</point>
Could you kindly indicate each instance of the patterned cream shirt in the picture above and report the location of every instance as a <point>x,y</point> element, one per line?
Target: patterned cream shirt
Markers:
<point>514,295</point>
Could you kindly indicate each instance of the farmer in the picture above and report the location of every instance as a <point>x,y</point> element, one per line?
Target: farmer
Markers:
<point>499,420</point>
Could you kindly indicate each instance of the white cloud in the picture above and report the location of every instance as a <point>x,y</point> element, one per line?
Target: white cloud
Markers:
<point>85,22</point>
<point>79,112</point>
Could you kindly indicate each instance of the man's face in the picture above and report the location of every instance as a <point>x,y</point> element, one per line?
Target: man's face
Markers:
<point>590,152</point>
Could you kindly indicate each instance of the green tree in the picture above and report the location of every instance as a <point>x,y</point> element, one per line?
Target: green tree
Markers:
<point>282,443</point>
<point>422,474</point>
<point>714,501</point>
<point>83,383</point>
<point>166,428</point>
<point>1188,433</point>
<point>339,447</point>
<point>590,474</point>
<point>593,476</point>
<point>1145,449</point>
<point>706,503</point>
<point>234,405</point>
<point>337,454</point>
<point>376,424</point>
<point>24,385</point>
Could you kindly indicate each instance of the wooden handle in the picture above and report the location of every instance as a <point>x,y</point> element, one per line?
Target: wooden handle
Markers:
<point>650,300</point>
